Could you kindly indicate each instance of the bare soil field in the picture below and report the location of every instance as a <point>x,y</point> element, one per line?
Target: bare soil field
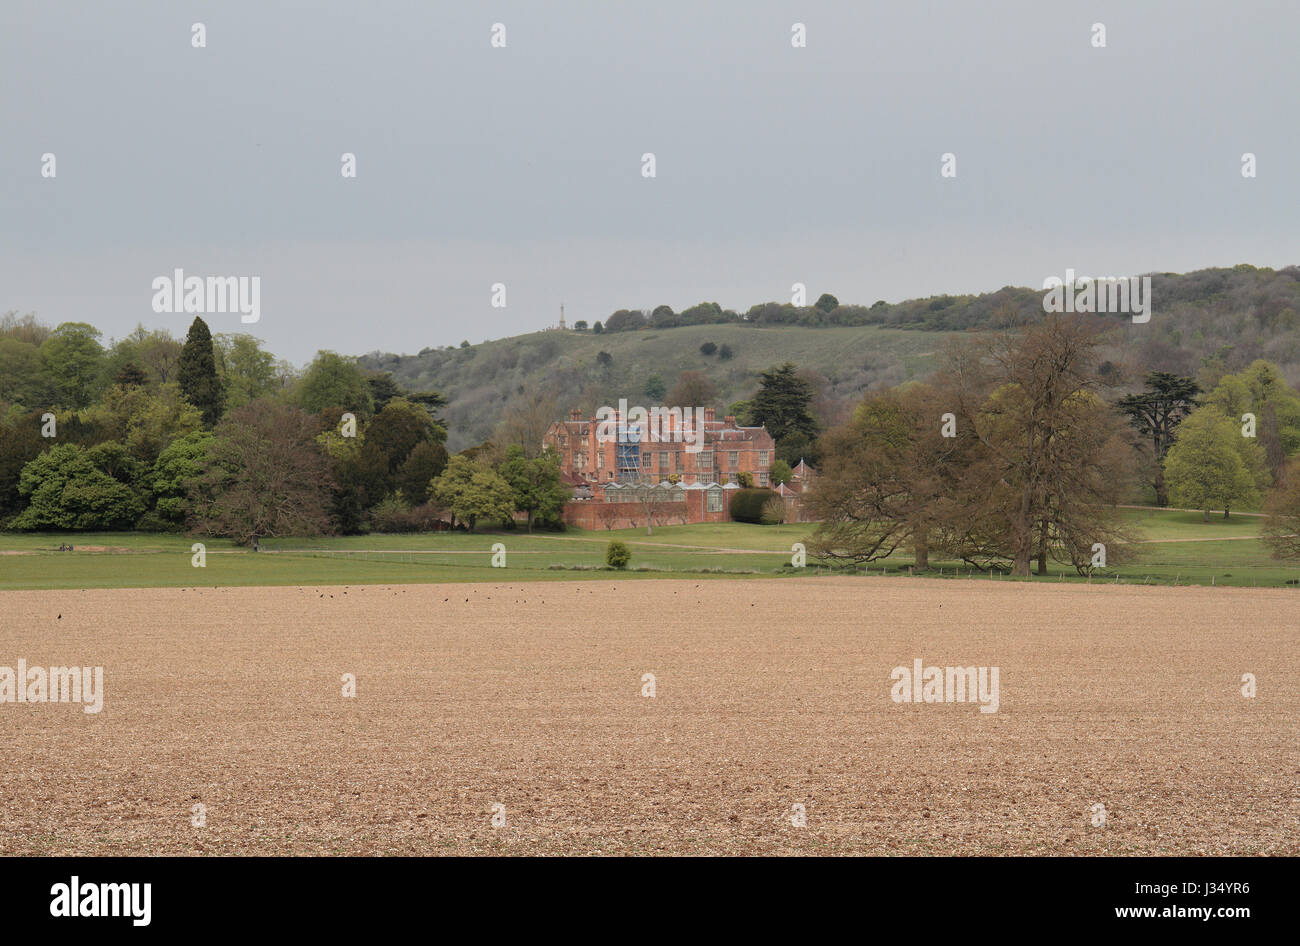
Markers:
<point>768,695</point>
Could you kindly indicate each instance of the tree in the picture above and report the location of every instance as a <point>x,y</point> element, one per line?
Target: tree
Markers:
<point>781,472</point>
<point>655,388</point>
<point>826,302</point>
<point>397,430</point>
<point>263,475</point>
<point>617,555</point>
<point>415,476</point>
<point>383,389</point>
<point>604,359</point>
<point>247,371</point>
<point>708,348</point>
<point>783,406</point>
<point>22,380</point>
<point>472,490</point>
<point>197,373</point>
<point>527,417</point>
<point>334,381</point>
<point>1048,465</point>
<point>535,485</point>
<point>177,467</point>
<point>1156,413</point>
<point>69,487</point>
<point>1261,390</point>
<point>145,420</point>
<point>625,320</point>
<point>580,325</point>
<point>886,479</point>
<point>130,375</point>
<point>1281,532</point>
<point>1211,465</point>
<point>20,443</point>
<point>159,353</point>
<point>72,362</point>
<point>598,328</point>
<point>725,353</point>
<point>693,389</point>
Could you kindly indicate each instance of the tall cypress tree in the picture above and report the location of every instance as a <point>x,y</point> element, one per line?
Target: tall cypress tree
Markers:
<point>197,373</point>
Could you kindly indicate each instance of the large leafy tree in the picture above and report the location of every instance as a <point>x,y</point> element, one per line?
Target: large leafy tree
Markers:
<point>398,429</point>
<point>197,373</point>
<point>69,487</point>
<point>1281,530</point>
<point>783,405</point>
<point>264,475</point>
<point>177,467</point>
<point>247,370</point>
<point>1156,413</point>
<point>473,491</point>
<point>1212,466</point>
<point>1262,391</point>
<point>22,380</point>
<point>415,476</point>
<point>73,363</point>
<point>333,381</point>
<point>534,484</point>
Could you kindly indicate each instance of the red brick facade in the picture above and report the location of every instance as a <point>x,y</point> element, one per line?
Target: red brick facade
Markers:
<point>726,449</point>
<point>670,480</point>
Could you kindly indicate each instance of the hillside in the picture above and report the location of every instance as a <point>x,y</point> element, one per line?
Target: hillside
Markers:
<point>482,381</point>
<point>1203,324</point>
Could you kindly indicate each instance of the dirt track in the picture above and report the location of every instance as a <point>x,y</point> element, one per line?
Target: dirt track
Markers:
<point>768,694</point>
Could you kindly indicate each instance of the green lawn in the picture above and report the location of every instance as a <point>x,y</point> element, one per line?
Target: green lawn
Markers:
<point>1174,546</point>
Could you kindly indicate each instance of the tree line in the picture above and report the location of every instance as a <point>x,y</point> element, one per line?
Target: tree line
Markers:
<point>216,436</point>
<point>1012,456</point>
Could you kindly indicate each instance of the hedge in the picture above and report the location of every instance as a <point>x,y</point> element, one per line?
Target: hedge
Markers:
<point>747,504</point>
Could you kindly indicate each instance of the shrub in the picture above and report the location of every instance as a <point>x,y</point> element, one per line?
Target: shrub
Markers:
<point>393,515</point>
<point>617,555</point>
<point>747,504</point>
<point>773,513</point>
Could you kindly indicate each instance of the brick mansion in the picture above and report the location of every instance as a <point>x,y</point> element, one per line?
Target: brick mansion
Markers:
<point>624,480</point>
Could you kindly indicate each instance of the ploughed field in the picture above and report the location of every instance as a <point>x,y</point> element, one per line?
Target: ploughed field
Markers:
<point>523,704</point>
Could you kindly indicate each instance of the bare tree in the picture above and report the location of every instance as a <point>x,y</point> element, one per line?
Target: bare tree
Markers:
<point>1051,464</point>
<point>264,476</point>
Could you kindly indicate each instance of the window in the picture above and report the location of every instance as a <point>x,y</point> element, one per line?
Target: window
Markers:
<point>733,459</point>
<point>663,460</point>
<point>713,501</point>
<point>704,460</point>
<point>762,479</point>
<point>762,458</point>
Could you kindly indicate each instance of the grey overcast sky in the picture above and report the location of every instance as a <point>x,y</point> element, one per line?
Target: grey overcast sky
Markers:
<point>522,165</point>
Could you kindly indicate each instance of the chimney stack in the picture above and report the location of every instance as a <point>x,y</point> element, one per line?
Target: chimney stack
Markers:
<point>708,415</point>
<point>575,414</point>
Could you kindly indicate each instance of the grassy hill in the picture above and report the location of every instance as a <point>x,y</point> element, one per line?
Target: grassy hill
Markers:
<point>483,381</point>
<point>1203,324</point>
